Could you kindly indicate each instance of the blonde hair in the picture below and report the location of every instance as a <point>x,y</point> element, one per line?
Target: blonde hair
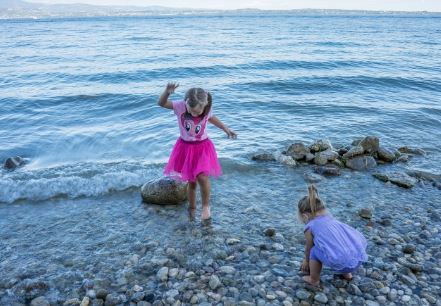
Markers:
<point>198,96</point>
<point>311,203</point>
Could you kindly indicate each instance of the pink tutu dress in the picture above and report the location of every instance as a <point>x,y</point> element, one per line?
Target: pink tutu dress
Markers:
<point>193,153</point>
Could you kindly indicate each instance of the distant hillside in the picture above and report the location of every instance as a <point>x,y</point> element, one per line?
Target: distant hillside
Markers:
<point>21,9</point>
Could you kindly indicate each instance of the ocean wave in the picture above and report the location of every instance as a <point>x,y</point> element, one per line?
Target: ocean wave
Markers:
<point>87,179</point>
<point>320,84</point>
<point>143,75</point>
<point>100,104</point>
<point>72,181</point>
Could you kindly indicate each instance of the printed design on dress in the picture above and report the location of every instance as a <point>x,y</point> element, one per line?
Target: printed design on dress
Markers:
<point>194,126</point>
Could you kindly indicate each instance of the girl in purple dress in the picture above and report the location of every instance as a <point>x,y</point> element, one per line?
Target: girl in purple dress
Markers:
<point>328,241</point>
<point>194,158</point>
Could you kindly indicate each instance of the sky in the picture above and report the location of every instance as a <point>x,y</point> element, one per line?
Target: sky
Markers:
<point>387,5</point>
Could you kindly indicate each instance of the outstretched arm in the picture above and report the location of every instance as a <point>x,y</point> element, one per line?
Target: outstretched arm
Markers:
<point>163,99</point>
<point>216,121</point>
<point>308,247</point>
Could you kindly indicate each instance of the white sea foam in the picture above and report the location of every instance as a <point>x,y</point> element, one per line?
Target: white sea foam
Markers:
<point>72,181</point>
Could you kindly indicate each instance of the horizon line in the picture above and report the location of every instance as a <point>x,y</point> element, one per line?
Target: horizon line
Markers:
<point>240,9</point>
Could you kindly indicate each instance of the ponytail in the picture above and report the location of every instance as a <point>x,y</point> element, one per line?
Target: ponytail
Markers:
<point>313,196</point>
<point>311,203</point>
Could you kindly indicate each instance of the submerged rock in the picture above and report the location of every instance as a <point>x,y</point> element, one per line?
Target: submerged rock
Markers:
<point>162,274</point>
<point>424,175</point>
<point>270,232</point>
<point>327,170</point>
<point>403,158</point>
<point>410,150</point>
<point>397,178</point>
<point>164,191</point>
<point>409,249</point>
<point>40,301</point>
<point>13,162</point>
<point>365,213</point>
<point>312,177</point>
<point>361,163</point>
<point>263,157</point>
<point>214,282</point>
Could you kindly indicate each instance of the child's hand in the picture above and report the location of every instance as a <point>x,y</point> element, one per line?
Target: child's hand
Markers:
<point>231,134</point>
<point>171,87</point>
<point>305,266</point>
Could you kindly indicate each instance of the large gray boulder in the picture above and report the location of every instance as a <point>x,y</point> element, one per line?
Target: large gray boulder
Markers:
<point>397,178</point>
<point>386,154</point>
<point>322,158</point>
<point>320,145</point>
<point>297,151</point>
<point>361,163</point>
<point>370,144</point>
<point>286,160</point>
<point>164,191</point>
<point>354,151</point>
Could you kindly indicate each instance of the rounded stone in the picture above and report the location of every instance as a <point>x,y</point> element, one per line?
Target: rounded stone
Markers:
<point>164,191</point>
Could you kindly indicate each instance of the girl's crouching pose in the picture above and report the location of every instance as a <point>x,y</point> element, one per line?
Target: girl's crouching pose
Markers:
<point>328,241</point>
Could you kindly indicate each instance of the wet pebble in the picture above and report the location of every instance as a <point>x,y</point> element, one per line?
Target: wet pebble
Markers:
<point>214,282</point>
<point>162,274</point>
<point>409,249</point>
<point>321,298</point>
<point>302,294</point>
<point>40,301</point>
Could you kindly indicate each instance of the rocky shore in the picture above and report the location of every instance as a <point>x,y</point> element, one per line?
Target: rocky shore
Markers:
<point>256,263</point>
<point>403,269</point>
<point>361,155</point>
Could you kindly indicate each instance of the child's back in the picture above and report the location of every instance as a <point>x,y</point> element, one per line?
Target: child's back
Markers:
<point>338,245</point>
<point>328,241</point>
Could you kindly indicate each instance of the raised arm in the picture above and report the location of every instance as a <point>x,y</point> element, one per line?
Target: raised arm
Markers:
<point>216,122</point>
<point>163,99</point>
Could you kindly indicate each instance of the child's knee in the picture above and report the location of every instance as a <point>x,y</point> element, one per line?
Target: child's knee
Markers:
<point>202,179</point>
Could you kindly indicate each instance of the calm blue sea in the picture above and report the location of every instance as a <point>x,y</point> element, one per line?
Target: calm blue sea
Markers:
<point>78,96</point>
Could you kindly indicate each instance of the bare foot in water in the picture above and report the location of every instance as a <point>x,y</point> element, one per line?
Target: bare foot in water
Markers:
<point>191,213</point>
<point>308,279</point>
<point>206,213</point>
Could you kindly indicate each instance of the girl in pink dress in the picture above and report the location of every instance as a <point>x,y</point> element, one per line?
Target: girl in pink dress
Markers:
<point>193,158</point>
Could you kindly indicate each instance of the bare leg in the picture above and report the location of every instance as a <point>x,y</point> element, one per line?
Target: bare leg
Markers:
<point>191,194</point>
<point>205,185</point>
<point>315,268</point>
<point>347,276</point>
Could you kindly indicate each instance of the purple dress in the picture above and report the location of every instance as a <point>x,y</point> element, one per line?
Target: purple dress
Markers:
<point>336,245</point>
